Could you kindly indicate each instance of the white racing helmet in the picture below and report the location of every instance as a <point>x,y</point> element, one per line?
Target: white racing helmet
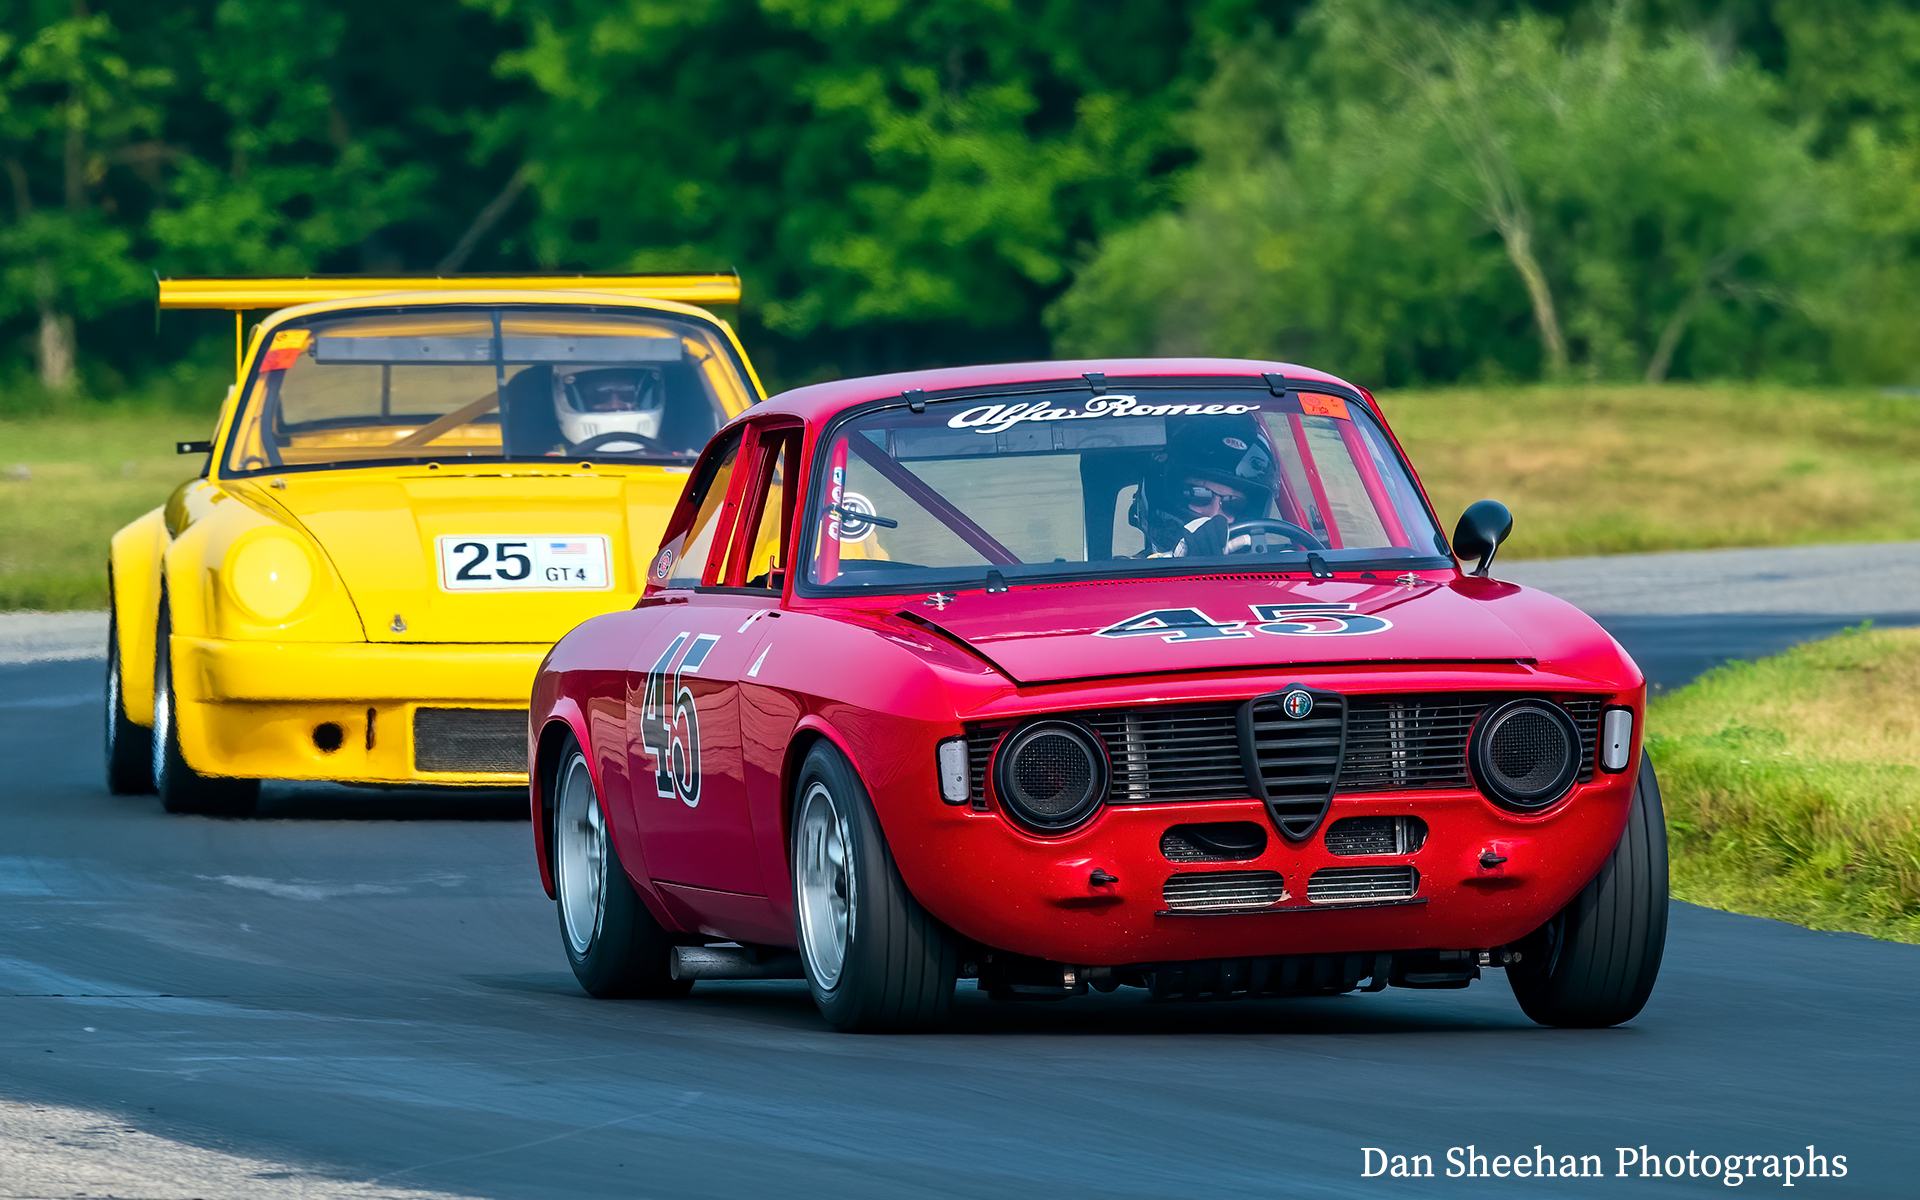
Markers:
<point>609,400</point>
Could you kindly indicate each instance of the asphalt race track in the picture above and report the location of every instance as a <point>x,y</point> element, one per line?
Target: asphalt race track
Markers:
<point>368,984</point>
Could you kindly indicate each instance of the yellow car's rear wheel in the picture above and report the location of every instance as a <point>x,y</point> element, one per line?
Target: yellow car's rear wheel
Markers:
<point>183,789</point>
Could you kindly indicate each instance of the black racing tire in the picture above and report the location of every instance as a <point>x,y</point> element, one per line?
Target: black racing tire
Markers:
<point>875,961</point>
<point>129,750</point>
<point>183,789</point>
<point>1594,964</point>
<point>615,947</point>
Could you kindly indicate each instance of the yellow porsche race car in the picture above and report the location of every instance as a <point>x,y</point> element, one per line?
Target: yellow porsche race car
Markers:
<point>415,487</point>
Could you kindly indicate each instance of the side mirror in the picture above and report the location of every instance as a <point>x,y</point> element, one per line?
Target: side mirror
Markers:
<point>1482,528</point>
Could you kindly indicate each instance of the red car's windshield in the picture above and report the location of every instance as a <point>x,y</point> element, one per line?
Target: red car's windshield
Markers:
<point>1115,484</point>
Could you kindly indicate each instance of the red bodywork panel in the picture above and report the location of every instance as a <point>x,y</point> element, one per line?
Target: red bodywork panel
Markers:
<point>752,677</point>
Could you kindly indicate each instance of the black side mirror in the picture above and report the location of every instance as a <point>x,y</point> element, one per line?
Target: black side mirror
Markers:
<point>1482,528</point>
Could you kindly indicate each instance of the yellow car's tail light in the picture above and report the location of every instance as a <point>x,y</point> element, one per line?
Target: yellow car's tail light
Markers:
<point>271,576</point>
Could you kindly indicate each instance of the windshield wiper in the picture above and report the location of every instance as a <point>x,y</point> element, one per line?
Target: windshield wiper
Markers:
<point>853,516</point>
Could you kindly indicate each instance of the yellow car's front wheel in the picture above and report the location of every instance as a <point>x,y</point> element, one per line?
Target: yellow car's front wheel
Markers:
<point>129,746</point>
<point>183,789</point>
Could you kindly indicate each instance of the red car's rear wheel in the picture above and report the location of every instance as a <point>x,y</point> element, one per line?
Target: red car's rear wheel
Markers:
<point>613,943</point>
<point>875,960</point>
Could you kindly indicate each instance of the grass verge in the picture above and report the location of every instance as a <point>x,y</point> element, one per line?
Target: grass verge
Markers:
<point>1616,469</point>
<point>1791,784</point>
<point>1587,470</point>
<point>67,482</point>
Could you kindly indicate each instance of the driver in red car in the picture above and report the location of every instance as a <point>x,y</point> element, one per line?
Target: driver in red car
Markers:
<point>1214,473</point>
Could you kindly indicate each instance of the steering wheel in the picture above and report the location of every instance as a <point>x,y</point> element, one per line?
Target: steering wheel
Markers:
<point>646,444</point>
<point>1300,537</point>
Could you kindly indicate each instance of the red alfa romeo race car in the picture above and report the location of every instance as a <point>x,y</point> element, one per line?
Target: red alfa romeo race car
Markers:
<point>1153,673</point>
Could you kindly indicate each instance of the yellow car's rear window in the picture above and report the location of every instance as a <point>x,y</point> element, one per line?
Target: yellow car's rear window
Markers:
<point>480,383</point>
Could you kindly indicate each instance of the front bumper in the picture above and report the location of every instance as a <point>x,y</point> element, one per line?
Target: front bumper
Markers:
<point>1033,896</point>
<point>270,710</point>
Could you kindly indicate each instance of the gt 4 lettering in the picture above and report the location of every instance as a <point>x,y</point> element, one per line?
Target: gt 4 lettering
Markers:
<point>1287,620</point>
<point>670,720</point>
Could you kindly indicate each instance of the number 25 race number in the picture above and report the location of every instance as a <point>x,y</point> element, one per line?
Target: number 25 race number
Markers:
<point>522,562</point>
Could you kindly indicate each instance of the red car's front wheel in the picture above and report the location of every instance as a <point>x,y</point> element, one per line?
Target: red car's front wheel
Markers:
<point>1594,964</point>
<point>875,960</point>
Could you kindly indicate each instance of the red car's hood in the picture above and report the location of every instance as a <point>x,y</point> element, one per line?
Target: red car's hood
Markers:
<point>1079,631</point>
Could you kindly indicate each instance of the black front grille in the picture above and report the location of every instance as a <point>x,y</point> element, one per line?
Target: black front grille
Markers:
<point>1179,752</point>
<point>1401,743</point>
<point>1194,751</point>
<point>1586,716</point>
<point>1291,762</point>
<point>1184,752</point>
<point>470,740</point>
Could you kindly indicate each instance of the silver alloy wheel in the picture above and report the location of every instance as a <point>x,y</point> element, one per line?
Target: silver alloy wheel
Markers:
<point>823,877</point>
<point>579,855</point>
<point>162,712</point>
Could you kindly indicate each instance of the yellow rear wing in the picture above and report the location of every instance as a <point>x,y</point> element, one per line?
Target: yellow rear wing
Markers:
<point>241,295</point>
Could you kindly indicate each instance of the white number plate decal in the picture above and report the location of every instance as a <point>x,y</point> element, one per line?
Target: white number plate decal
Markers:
<point>523,562</point>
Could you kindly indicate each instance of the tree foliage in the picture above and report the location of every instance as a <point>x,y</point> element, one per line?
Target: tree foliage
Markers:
<point>1431,199</point>
<point>1451,189</point>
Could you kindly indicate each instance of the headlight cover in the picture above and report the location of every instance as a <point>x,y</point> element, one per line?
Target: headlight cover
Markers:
<point>1616,740</point>
<point>271,575</point>
<point>1525,754</point>
<point>1051,775</point>
<point>950,757</point>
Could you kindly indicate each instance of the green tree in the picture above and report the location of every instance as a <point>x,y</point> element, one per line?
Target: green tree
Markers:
<point>1633,185</point>
<point>73,106</point>
<point>296,181</point>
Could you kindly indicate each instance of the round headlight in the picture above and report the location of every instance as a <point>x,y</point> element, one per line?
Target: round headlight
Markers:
<point>1051,775</point>
<point>271,576</point>
<point>1526,754</point>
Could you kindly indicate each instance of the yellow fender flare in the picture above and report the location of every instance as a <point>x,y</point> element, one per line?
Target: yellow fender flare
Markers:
<point>134,561</point>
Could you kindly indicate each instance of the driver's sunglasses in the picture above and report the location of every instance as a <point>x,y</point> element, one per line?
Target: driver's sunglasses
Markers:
<point>1199,496</point>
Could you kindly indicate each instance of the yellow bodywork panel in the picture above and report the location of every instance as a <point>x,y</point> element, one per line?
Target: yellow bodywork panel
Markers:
<point>412,496</point>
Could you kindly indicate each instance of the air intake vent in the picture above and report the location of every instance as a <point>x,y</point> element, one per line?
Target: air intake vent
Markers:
<point>1214,841</point>
<point>1376,835</point>
<point>1338,885</point>
<point>1291,743</point>
<point>1224,891</point>
<point>470,740</point>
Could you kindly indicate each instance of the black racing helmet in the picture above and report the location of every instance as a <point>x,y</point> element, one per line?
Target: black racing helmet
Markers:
<point>1231,450</point>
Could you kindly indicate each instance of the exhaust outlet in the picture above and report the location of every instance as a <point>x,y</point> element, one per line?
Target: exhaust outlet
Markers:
<point>735,962</point>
